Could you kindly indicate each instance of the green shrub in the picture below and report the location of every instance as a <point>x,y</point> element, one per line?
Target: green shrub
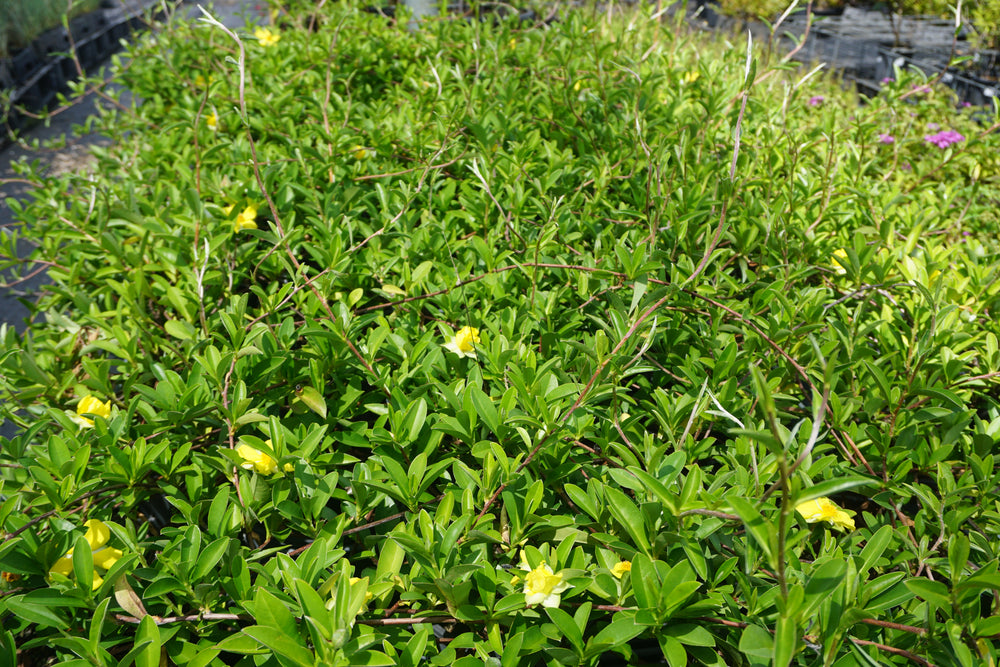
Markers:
<point>753,9</point>
<point>985,16</point>
<point>250,408</point>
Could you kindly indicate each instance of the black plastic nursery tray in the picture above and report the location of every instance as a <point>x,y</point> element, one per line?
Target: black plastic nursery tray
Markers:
<point>31,78</point>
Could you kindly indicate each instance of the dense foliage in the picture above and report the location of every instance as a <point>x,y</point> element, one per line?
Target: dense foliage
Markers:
<point>506,343</point>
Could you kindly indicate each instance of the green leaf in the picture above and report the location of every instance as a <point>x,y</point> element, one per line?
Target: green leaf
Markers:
<point>786,639</point>
<point>673,651</point>
<point>822,582</point>
<point>273,613</point>
<point>29,610</point>
<point>874,549</point>
<point>148,635</point>
<point>621,630</point>
<point>757,642</point>
<point>758,527</point>
<point>208,558</point>
<point>932,591</point>
<point>83,564</point>
<point>484,408</point>
<point>690,634</point>
<point>313,399</point>
<point>629,516</point>
<point>567,626</point>
<point>371,659</point>
<point>179,329</point>
<point>831,487</point>
<point>282,644</point>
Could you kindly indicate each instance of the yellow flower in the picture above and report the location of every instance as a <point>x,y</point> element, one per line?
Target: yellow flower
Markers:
<point>245,220</point>
<point>89,405</point>
<point>254,459</point>
<point>464,342</point>
<point>824,509</point>
<point>359,152</point>
<point>840,259</point>
<point>200,80</point>
<point>104,556</point>
<point>368,594</point>
<point>266,37</point>
<point>621,568</point>
<point>212,121</point>
<point>691,77</point>
<point>542,586</point>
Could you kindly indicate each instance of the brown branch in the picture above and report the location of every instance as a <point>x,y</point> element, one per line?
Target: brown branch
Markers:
<point>896,651</point>
<point>719,515</point>
<point>166,620</point>
<point>43,517</point>
<point>895,626</point>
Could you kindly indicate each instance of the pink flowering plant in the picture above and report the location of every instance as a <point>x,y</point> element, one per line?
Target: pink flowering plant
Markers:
<point>362,346</point>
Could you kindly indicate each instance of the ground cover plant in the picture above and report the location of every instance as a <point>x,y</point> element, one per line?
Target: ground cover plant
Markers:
<point>489,342</point>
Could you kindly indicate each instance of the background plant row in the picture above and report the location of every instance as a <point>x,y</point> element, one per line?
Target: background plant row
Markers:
<point>696,309</point>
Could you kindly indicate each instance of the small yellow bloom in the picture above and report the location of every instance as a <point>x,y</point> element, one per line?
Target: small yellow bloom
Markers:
<point>359,152</point>
<point>254,459</point>
<point>368,594</point>
<point>621,568</point>
<point>840,260</point>
<point>824,509</point>
<point>288,467</point>
<point>200,81</point>
<point>247,219</point>
<point>691,77</point>
<point>464,342</point>
<point>212,121</point>
<point>542,586</point>
<point>105,557</point>
<point>89,405</point>
<point>266,37</point>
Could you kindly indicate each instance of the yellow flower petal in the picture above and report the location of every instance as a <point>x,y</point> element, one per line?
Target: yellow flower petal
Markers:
<point>64,565</point>
<point>89,405</point>
<point>464,342</point>
<point>256,460</point>
<point>266,37</point>
<point>824,509</point>
<point>543,586</point>
<point>105,558</point>
<point>97,533</point>
<point>621,568</point>
<point>840,260</point>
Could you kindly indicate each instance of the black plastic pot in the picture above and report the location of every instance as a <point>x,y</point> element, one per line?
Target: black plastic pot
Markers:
<point>91,39</point>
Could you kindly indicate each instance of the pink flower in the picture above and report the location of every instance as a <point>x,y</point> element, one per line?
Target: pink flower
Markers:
<point>933,126</point>
<point>944,138</point>
<point>887,79</point>
<point>886,138</point>
<point>815,101</point>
